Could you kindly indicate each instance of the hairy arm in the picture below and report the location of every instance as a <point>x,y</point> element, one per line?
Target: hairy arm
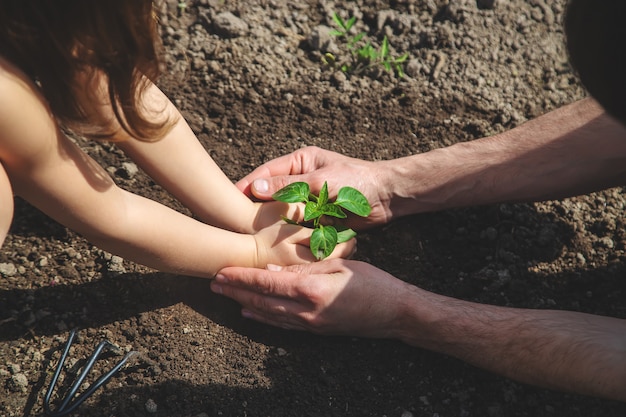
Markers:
<point>561,350</point>
<point>570,151</point>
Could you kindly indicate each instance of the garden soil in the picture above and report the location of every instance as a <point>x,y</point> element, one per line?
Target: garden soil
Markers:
<point>250,79</point>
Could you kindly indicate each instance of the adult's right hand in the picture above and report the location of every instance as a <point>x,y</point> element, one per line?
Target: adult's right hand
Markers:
<point>334,296</point>
<point>315,166</point>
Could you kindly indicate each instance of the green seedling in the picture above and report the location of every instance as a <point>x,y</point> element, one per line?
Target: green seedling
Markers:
<point>363,54</point>
<point>324,237</point>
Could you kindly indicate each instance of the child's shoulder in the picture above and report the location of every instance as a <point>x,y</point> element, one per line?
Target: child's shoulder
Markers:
<point>15,85</point>
<point>25,119</point>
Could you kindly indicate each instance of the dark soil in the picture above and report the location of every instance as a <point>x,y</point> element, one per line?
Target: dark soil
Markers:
<point>257,92</point>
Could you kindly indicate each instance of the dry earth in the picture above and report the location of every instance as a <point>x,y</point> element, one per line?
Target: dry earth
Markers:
<point>252,85</point>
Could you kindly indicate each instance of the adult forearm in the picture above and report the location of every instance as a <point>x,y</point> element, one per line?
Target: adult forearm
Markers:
<point>562,350</point>
<point>573,150</point>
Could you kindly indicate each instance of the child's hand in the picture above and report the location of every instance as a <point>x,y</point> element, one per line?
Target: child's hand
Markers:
<point>286,244</point>
<point>270,213</point>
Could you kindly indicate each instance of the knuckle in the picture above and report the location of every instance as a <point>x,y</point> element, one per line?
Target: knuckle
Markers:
<point>313,321</point>
<point>258,302</point>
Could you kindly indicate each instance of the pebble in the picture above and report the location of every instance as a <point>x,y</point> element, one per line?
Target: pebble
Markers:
<point>151,406</point>
<point>7,269</point>
<point>18,383</point>
<point>229,25</point>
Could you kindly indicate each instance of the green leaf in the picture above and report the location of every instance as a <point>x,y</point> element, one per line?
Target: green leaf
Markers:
<point>353,41</point>
<point>350,23</point>
<point>345,235</point>
<point>384,49</point>
<point>354,201</point>
<point>297,192</point>
<point>311,211</point>
<point>323,241</point>
<point>336,32</point>
<point>332,209</point>
<point>399,70</point>
<point>401,59</point>
<point>323,197</point>
<point>339,21</point>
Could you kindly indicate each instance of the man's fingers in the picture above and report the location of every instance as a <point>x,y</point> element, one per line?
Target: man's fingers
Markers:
<point>261,281</point>
<point>286,322</point>
<point>281,166</point>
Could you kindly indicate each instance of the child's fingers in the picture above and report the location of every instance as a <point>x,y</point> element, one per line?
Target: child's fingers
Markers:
<point>344,250</point>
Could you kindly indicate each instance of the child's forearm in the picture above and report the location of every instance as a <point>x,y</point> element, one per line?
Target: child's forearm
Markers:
<point>180,164</point>
<point>161,238</point>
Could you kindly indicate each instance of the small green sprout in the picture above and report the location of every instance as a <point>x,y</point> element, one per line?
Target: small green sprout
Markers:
<point>364,56</point>
<point>325,237</point>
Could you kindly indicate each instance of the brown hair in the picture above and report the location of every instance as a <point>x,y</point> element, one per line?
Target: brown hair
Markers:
<point>596,34</point>
<point>57,41</point>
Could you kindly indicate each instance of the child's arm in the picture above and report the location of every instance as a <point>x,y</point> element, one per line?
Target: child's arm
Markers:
<point>6,204</point>
<point>181,165</point>
<point>54,174</point>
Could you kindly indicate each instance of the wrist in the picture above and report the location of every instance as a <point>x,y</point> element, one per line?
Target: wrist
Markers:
<point>417,184</point>
<point>418,318</point>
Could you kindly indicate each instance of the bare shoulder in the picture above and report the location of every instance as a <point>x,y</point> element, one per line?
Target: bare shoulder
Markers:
<point>26,124</point>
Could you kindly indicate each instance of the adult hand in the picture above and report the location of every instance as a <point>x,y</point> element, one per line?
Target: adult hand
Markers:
<point>334,296</point>
<point>315,166</point>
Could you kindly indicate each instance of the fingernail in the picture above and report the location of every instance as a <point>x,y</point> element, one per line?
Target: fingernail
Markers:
<point>261,185</point>
<point>246,313</point>
<point>221,278</point>
<point>216,288</point>
<point>272,267</point>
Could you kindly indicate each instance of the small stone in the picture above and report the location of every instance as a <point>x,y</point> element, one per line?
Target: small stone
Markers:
<point>18,383</point>
<point>151,406</point>
<point>606,242</point>
<point>229,25</point>
<point>116,264</point>
<point>321,39</point>
<point>129,169</point>
<point>7,269</point>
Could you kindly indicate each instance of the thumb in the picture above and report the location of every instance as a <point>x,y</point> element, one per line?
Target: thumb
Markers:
<point>264,188</point>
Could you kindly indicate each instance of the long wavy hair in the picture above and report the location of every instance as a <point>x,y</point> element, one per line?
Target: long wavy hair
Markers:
<point>58,42</point>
